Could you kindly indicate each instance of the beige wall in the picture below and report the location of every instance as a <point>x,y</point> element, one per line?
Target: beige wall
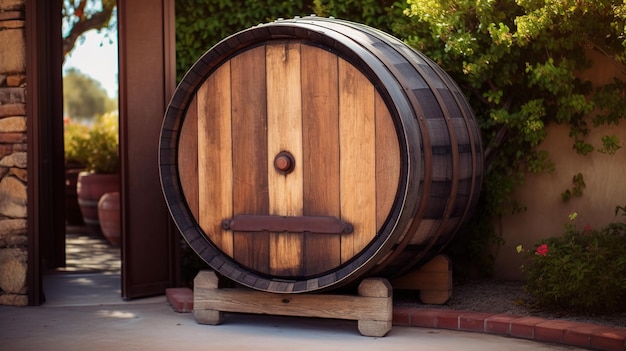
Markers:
<point>604,175</point>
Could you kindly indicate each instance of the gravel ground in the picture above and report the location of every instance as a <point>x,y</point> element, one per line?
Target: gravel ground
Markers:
<point>504,297</point>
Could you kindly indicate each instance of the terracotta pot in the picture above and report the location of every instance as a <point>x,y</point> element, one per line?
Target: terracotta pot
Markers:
<point>90,187</point>
<point>109,216</point>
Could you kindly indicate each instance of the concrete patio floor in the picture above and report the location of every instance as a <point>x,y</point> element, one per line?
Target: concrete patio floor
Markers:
<point>84,311</point>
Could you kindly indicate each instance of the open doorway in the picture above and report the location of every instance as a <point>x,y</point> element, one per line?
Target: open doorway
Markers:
<point>90,269</point>
<point>150,242</point>
<point>91,139</point>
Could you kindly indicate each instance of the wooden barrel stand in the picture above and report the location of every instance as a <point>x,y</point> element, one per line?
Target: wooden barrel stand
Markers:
<point>433,280</point>
<point>372,308</point>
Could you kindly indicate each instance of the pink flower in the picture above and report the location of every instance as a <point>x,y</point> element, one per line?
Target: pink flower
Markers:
<point>587,229</point>
<point>542,250</point>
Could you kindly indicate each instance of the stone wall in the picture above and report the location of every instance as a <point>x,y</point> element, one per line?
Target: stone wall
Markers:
<point>13,179</point>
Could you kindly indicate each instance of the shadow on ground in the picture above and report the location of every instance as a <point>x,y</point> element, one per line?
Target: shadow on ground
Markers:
<point>89,252</point>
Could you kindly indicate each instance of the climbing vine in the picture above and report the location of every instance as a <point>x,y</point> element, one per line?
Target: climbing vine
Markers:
<point>200,24</point>
<point>519,63</point>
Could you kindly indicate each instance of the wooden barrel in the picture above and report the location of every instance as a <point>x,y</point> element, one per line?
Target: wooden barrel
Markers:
<point>304,154</point>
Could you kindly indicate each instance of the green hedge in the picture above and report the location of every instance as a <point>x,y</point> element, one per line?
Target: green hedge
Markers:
<point>200,24</point>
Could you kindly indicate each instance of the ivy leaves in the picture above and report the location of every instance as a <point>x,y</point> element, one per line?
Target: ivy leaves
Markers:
<point>519,62</point>
<point>200,24</point>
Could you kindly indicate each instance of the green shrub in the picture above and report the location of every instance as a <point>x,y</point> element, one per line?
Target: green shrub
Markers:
<point>74,139</point>
<point>581,271</point>
<point>96,148</point>
<point>519,63</point>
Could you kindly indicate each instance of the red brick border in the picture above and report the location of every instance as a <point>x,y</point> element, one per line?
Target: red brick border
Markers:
<point>181,299</point>
<point>591,336</point>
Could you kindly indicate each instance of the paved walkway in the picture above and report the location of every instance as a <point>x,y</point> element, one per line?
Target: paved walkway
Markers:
<point>84,311</point>
<point>89,252</point>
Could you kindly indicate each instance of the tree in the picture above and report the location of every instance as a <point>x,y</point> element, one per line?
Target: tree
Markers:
<point>80,16</point>
<point>84,97</point>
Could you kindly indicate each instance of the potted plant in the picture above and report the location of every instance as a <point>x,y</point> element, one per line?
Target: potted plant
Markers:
<point>98,150</point>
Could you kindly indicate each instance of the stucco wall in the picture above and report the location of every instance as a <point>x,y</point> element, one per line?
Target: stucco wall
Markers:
<point>13,179</point>
<point>604,176</point>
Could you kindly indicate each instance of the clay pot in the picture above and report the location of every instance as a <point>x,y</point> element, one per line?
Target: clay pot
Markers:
<point>90,187</point>
<point>109,216</point>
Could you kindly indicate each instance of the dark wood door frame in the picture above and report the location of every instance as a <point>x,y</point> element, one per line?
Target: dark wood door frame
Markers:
<point>44,108</point>
<point>147,81</point>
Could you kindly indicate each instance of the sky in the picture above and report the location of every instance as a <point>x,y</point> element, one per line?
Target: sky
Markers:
<point>96,57</point>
